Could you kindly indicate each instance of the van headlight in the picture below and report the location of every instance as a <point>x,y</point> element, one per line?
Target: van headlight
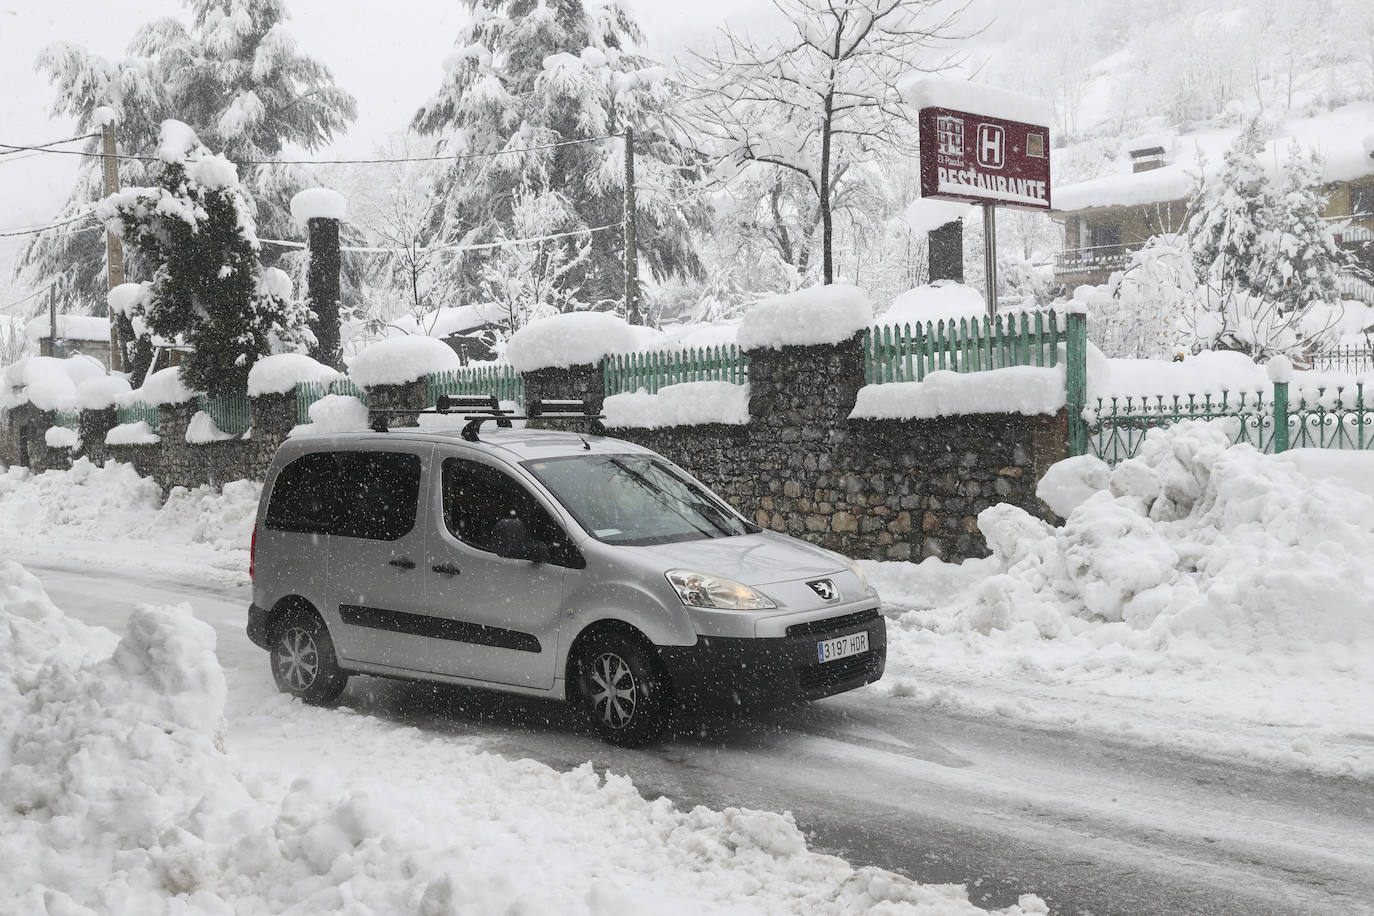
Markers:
<point>857,570</point>
<point>698,589</point>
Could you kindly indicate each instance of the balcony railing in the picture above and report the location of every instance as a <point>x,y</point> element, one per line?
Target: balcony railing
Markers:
<point>1096,258</point>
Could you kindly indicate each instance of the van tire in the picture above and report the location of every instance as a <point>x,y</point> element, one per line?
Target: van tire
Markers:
<point>623,688</point>
<point>303,660</point>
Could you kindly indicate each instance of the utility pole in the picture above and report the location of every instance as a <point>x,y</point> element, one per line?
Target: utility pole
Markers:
<point>631,246</point>
<point>990,256</point>
<point>114,249</point>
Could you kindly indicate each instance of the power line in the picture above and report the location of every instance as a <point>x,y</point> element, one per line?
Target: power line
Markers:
<point>33,295</point>
<point>483,245</point>
<point>452,157</point>
<point>35,230</point>
<point>44,147</point>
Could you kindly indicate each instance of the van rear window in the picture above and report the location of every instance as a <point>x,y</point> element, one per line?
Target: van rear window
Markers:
<point>371,495</point>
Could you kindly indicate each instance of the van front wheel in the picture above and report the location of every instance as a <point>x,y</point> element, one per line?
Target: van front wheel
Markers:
<point>623,689</point>
<point>303,660</point>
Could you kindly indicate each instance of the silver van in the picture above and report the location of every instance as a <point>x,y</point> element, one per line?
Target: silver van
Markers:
<point>549,563</point>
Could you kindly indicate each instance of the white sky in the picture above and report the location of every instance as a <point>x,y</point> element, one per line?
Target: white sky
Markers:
<point>387,54</point>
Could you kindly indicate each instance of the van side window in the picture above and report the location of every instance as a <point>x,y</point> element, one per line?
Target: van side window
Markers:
<point>371,495</point>
<point>477,496</point>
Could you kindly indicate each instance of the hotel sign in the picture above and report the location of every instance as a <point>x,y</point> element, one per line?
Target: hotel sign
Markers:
<point>984,160</point>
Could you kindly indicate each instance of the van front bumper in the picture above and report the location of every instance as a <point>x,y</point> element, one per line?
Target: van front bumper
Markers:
<point>722,672</point>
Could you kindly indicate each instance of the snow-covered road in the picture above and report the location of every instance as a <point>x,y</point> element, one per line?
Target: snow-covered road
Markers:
<point>941,795</point>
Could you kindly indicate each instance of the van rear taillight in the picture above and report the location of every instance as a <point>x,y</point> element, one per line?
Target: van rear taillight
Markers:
<point>253,553</point>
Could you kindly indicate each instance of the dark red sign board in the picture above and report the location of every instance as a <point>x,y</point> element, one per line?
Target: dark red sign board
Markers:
<point>983,160</point>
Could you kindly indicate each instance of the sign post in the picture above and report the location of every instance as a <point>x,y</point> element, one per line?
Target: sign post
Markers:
<point>985,160</point>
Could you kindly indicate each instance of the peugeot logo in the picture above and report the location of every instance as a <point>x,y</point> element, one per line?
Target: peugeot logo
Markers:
<point>825,588</point>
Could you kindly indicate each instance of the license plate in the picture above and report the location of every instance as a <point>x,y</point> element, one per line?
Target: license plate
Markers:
<point>830,650</point>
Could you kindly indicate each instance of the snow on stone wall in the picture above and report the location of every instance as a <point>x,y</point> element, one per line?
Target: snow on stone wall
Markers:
<point>818,315</point>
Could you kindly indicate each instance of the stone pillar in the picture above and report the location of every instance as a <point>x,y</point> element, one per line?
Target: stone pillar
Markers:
<point>584,382</point>
<point>95,424</point>
<point>274,416</point>
<point>321,211</point>
<point>408,396</point>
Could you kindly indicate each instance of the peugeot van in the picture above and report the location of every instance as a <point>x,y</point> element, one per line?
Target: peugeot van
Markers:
<point>544,562</point>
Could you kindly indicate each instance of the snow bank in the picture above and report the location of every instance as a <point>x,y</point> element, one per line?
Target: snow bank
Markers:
<point>60,437</point>
<point>401,360</point>
<point>50,383</point>
<point>282,372</point>
<point>943,300</point>
<point>818,315</point>
<point>102,392</point>
<point>684,404</point>
<point>574,339</point>
<point>203,429</point>
<point>961,95</point>
<point>113,503</point>
<point>138,433</point>
<point>122,796</point>
<point>1069,483</point>
<point>1026,390</point>
<point>1193,540</point>
<point>318,203</point>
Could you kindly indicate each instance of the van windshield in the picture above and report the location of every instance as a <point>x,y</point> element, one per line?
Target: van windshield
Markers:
<point>636,500</point>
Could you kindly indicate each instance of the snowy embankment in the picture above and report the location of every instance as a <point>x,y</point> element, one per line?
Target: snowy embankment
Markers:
<point>1198,595</point>
<point>126,790</point>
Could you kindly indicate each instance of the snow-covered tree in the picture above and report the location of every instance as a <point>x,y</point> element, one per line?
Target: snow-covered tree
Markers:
<point>541,77</point>
<point>234,74</point>
<point>823,97</point>
<point>1230,210</point>
<point>207,289</point>
<point>1301,257</point>
<point>526,281</point>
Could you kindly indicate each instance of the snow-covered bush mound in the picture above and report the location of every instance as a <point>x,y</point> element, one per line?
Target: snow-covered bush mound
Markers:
<point>281,372</point>
<point>574,339</point>
<point>121,796</point>
<point>101,392</point>
<point>684,404</point>
<point>1193,541</point>
<point>401,360</point>
<point>114,502</point>
<point>808,317</point>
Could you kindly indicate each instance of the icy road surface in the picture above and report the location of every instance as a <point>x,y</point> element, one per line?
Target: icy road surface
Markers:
<point>1090,825</point>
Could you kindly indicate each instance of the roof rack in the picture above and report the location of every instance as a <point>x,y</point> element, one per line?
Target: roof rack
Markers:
<point>479,409</point>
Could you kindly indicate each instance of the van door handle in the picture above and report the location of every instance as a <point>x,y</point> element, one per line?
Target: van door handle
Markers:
<point>402,562</point>
<point>446,569</point>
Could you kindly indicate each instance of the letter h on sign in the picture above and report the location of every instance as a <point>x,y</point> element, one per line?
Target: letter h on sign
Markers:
<point>991,146</point>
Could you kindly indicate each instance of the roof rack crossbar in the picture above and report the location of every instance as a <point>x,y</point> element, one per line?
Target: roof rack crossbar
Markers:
<point>446,404</point>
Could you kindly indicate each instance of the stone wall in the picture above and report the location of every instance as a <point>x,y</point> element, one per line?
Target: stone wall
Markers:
<point>881,489</point>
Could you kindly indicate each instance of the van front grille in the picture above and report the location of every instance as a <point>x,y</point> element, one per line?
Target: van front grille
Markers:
<point>814,627</point>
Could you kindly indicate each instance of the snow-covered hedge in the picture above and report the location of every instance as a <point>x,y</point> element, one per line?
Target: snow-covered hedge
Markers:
<point>808,317</point>
<point>686,404</point>
<point>574,339</point>
<point>139,433</point>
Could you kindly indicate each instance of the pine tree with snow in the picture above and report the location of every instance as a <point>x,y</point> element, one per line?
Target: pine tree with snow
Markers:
<point>234,74</point>
<point>193,227</point>
<point>541,75</point>
<point>1301,256</point>
<point>1231,209</point>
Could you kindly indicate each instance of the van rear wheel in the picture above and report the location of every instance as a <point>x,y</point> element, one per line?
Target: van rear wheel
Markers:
<point>303,660</point>
<point>624,689</point>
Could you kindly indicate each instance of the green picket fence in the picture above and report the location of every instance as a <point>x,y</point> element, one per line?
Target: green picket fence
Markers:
<point>232,413</point>
<point>1336,419</point>
<point>628,372</point>
<point>499,379</point>
<point>907,353</point>
<point>308,393</point>
<point>68,419</point>
<point>132,413</point>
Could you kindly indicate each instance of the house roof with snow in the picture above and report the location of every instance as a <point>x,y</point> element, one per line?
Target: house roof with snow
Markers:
<point>1341,137</point>
<point>70,327</point>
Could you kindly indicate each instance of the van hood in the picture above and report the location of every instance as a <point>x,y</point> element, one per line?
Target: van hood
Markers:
<point>753,559</point>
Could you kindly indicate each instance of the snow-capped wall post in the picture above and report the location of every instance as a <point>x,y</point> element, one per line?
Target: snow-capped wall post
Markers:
<point>1280,373</point>
<point>321,210</point>
<point>1076,381</point>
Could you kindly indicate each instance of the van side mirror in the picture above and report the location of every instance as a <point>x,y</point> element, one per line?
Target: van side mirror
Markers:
<point>511,539</point>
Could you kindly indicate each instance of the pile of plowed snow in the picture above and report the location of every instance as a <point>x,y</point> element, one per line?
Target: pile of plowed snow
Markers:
<point>112,501</point>
<point>1191,541</point>
<point>119,796</point>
